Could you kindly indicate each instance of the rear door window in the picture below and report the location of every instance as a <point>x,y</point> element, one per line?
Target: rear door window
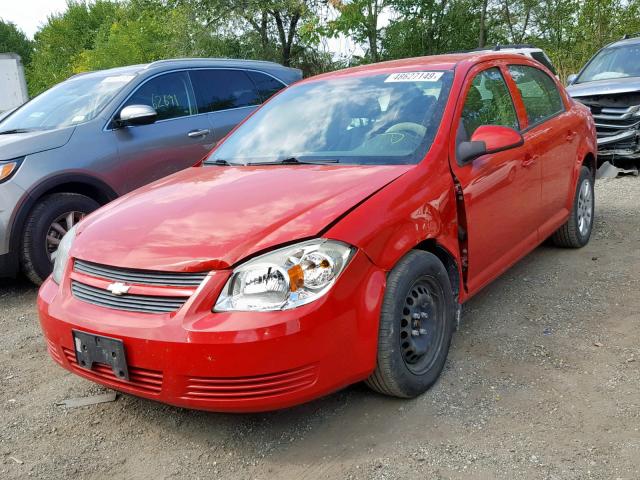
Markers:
<point>488,102</point>
<point>539,93</point>
<point>267,86</point>
<point>167,93</point>
<point>219,89</point>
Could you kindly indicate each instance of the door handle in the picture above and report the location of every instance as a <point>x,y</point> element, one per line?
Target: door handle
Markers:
<point>530,160</point>
<point>198,133</point>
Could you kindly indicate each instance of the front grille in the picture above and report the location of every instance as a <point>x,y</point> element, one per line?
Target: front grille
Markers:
<point>140,379</point>
<point>127,302</point>
<point>248,388</point>
<point>616,125</point>
<point>141,277</point>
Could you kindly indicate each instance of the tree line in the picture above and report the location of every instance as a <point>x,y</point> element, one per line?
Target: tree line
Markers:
<point>92,35</point>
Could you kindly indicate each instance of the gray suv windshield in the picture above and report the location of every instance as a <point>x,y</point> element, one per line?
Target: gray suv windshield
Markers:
<point>613,62</point>
<point>77,100</point>
<point>381,119</point>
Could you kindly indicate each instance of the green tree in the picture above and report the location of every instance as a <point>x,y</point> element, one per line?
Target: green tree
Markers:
<point>361,20</point>
<point>13,40</point>
<point>142,31</point>
<point>428,27</point>
<point>277,26</point>
<point>59,45</point>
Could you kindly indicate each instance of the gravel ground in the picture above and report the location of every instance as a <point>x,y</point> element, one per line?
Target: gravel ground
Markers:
<point>541,382</point>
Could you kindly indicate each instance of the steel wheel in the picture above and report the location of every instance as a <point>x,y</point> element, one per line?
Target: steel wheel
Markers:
<point>422,326</point>
<point>416,325</point>
<point>61,225</point>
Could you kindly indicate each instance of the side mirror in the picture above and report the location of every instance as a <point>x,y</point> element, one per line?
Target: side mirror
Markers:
<point>571,79</point>
<point>137,115</point>
<point>489,139</point>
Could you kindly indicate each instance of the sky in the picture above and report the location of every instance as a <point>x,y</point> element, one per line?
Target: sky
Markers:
<point>29,15</point>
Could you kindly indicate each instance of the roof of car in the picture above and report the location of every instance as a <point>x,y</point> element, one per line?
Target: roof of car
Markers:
<point>435,62</point>
<point>625,41</point>
<point>211,62</point>
<point>170,64</point>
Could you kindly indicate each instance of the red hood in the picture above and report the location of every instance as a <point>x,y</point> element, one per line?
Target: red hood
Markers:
<point>212,217</point>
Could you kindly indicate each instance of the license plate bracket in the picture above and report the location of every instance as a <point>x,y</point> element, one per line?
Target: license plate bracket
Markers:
<point>109,351</point>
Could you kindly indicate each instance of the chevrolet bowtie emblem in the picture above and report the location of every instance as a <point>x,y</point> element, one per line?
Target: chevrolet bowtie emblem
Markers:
<point>118,288</point>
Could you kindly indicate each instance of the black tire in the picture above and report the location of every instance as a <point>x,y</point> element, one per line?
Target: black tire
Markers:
<point>574,233</point>
<point>404,368</point>
<point>35,261</point>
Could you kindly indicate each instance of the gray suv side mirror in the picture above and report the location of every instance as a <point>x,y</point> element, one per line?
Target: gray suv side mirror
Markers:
<point>571,79</point>
<point>137,115</point>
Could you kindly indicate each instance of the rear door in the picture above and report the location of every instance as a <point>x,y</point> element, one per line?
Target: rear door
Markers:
<point>551,134</point>
<point>227,96</point>
<point>177,140</point>
<point>501,191</point>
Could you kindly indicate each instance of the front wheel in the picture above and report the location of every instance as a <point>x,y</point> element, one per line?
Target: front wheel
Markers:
<point>416,325</point>
<point>46,224</point>
<point>575,233</point>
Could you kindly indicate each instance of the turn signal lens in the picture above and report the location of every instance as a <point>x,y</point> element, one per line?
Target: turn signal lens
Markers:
<point>6,169</point>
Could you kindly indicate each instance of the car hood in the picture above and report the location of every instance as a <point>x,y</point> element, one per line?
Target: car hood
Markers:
<point>14,145</point>
<point>211,217</point>
<point>605,87</point>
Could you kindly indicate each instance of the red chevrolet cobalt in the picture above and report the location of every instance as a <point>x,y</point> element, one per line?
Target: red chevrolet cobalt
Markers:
<point>331,238</point>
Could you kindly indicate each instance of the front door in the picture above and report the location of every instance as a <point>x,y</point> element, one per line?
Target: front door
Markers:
<point>177,140</point>
<point>501,191</point>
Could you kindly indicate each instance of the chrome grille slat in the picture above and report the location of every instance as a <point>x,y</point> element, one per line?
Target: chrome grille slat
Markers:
<point>142,277</point>
<point>615,125</point>
<point>131,303</point>
<point>125,301</point>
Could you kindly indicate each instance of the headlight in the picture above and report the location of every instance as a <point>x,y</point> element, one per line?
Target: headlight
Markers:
<point>285,278</point>
<point>8,168</point>
<point>62,254</point>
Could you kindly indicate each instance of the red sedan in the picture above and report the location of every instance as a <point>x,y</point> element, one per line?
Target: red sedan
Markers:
<point>331,238</point>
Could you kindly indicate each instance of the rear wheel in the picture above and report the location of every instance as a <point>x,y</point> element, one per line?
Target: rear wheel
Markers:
<point>416,325</point>
<point>46,224</point>
<point>575,233</point>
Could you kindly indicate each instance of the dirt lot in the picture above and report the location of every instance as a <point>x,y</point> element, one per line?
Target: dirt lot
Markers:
<point>542,382</point>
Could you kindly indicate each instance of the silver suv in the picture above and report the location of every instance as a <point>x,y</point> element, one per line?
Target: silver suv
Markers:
<point>99,135</point>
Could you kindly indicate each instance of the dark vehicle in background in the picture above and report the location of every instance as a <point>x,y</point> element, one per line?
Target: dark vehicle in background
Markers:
<point>99,135</point>
<point>609,84</point>
<point>524,49</point>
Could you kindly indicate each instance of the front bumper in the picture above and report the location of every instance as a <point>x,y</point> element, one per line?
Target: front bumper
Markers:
<point>231,361</point>
<point>10,197</point>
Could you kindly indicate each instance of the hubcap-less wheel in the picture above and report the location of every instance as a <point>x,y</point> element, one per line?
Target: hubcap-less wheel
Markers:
<point>422,325</point>
<point>585,207</point>
<point>57,230</point>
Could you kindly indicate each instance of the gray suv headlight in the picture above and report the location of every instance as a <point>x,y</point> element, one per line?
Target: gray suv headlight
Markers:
<point>62,254</point>
<point>285,278</point>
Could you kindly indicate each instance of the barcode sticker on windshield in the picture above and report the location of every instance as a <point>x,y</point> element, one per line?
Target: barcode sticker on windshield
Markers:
<point>414,77</point>
<point>117,79</point>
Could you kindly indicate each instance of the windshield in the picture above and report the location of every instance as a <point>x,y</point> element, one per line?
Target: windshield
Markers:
<point>381,119</point>
<point>617,62</point>
<point>74,101</point>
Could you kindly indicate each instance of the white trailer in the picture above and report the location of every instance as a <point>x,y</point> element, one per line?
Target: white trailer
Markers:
<point>13,87</point>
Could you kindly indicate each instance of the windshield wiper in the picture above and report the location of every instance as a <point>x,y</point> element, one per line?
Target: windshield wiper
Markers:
<point>297,161</point>
<point>18,130</point>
